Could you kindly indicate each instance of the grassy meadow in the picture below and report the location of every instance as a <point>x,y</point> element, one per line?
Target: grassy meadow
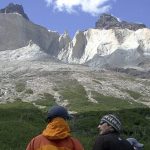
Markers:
<point>20,121</point>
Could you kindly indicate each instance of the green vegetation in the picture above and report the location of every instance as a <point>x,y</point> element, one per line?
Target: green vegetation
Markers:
<point>108,103</point>
<point>134,122</point>
<point>29,91</point>
<point>77,97</point>
<point>20,86</point>
<point>45,99</point>
<point>20,121</point>
<point>134,94</point>
<point>129,78</point>
<point>75,93</point>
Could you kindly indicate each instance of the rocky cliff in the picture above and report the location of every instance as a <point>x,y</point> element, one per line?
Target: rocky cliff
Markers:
<point>14,8</point>
<point>29,70</point>
<point>112,43</point>
<point>16,32</point>
<point>107,21</point>
<point>118,47</point>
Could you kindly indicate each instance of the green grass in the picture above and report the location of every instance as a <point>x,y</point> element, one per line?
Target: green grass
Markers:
<point>77,97</point>
<point>129,78</point>
<point>113,103</point>
<point>75,94</point>
<point>134,94</point>
<point>29,91</point>
<point>20,86</point>
<point>20,121</point>
<point>45,99</point>
<point>134,123</point>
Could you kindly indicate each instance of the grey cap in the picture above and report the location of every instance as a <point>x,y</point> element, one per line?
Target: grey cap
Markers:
<point>58,111</point>
<point>135,143</point>
<point>112,120</point>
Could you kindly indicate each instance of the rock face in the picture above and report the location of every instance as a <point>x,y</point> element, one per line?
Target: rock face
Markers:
<point>111,44</point>
<point>114,47</point>
<point>29,70</point>
<point>16,32</point>
<point>14,8</point>
<point>107,21</point>
<point>28,53</point>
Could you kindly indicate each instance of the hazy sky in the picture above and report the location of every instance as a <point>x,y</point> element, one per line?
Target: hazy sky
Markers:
<point>73,15</point>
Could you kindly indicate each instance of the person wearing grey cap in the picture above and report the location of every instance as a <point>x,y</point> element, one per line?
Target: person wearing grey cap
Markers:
<point>136,145</point>
<point>56,135</point>
<point>109,138</point>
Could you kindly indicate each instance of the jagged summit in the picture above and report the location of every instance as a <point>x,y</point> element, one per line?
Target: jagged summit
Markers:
<point>107,21</point>
<point>112,43</point>
<point>14,8</point>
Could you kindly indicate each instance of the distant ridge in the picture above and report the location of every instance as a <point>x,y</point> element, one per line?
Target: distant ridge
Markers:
<point>111,43</point>
<point>107,21</point>
<point>14,8</point>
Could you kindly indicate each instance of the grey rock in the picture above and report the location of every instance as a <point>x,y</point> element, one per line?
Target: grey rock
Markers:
<point>14,8</point>
<point>79,46</point>
<point>119,58</point>
<point>16,32</point>
<point>132,71</point>
<point>107,21</point>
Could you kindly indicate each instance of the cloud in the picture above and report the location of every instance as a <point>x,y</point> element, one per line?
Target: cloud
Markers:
<point>94,7</point>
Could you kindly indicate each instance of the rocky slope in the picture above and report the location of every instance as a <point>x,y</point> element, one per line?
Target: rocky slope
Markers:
<point>112,42</point>
<point>16,31</point>
<point>36,63</point>
<point>31,80</point>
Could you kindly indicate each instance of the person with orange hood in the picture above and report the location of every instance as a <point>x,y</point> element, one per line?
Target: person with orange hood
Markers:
<point>56,135</point>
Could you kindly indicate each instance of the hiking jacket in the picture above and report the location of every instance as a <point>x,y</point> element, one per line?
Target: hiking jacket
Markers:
<point>111,141</point>
<point>56,136</point>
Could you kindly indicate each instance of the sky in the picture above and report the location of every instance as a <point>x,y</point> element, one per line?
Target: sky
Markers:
<point>74,15</point>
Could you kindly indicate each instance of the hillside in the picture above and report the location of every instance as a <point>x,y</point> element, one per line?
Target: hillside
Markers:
<point>23,121</point>
<point>29,80</point>
<point>111,42</point>
<point>102,70</point>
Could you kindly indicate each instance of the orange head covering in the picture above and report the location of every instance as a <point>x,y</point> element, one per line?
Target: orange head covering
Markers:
<point>58,128</point>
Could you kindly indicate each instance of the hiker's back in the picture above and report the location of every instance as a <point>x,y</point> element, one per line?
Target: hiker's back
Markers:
<point>42,143</point>
<point>115,142</point>
<point>120,144</point>
<point>125,145</point>
<point>56,135</point>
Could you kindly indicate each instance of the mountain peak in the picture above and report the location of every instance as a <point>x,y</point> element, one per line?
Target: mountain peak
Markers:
<point>107,21</point>
<point>14,8</point>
